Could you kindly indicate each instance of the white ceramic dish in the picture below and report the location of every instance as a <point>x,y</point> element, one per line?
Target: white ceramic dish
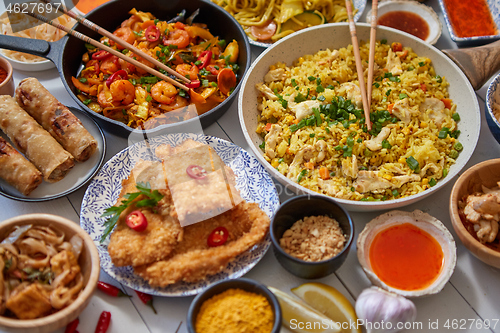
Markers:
<point>77,177</point>
<point>311,40</point>
<point>423,221</point>
<point>29,66</point>
<point>425,12</point>
<point>358,4</point>
<point>252,180</point>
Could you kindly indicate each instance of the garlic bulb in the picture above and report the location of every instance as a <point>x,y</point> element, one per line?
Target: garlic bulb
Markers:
<point>383,311</point>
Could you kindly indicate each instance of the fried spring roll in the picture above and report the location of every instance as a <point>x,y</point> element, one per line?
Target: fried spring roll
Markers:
<point>56,118</point>
<point>39,147</point>
<point>16,170</point>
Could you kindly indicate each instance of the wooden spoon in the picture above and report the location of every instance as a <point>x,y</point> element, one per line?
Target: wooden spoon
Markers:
<point>478,63</point>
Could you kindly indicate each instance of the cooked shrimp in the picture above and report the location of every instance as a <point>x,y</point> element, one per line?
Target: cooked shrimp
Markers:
<point>122,91</point>
<point>134,23</point>
<point>126,34</point>
<point>178,37</point>
<point>110,65</point>
<point>187,70</point>
<point>163,92</point>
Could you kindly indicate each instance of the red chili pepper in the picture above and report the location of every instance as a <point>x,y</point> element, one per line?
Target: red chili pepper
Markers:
<point>110,289</point>
<point>101,55</point>
<point>146,299</point>
<point>152,33</point>
<point>218,237</point>
<point>118,74</point>
<point>71,328</point>
<point>193,84</point>
<point>137,221</point>
<point>196,172</point>
<point>103,322</point>
<point>204,59</point>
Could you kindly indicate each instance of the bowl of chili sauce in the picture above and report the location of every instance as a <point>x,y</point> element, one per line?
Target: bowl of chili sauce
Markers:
<point>411,17</point>
<point>472,22</point>
<point>6,79</point>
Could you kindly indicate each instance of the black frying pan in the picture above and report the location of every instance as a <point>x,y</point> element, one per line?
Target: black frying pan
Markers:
<point>67,53</point>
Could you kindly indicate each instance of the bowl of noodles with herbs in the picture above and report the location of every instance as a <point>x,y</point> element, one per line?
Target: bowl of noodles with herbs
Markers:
<point>301,113</point>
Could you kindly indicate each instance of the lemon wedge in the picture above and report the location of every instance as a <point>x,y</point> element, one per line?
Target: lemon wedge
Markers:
<point>302,318</point>
<point>329,301</point>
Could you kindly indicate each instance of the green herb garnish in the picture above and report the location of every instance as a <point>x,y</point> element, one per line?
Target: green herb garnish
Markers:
<point>113,212</point>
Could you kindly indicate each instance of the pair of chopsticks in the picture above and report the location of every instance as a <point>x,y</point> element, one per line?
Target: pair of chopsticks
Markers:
<point>366,96</point>
<point>117,40</point>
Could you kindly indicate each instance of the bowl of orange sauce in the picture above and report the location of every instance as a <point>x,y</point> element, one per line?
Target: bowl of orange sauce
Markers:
<point>410,253</point>
<point>472,22</point>
<point>6,79</point>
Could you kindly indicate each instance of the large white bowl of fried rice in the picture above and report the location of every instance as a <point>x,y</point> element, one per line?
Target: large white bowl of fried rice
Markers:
<point>301,113</point>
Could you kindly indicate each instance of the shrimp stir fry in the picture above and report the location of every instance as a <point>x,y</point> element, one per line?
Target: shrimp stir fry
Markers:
<point>123,92</point>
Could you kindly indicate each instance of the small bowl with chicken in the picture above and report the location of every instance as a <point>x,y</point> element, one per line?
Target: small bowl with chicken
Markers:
<point>475,210</point>
<point>50,268</point>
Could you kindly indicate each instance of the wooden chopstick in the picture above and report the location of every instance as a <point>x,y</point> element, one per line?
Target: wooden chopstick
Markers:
<point>359,65</point>
<point>101,46</point>
<point>105,33</point>
<point>371,58</point>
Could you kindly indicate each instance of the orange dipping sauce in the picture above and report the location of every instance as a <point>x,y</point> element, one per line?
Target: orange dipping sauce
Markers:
<point>3,74</point>
<point>86,6</point>
<point>406,257</point>
<point>406,21</point>
<point>470,18</point>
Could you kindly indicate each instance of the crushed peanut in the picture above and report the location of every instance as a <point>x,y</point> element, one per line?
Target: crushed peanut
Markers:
<point>315,238</point>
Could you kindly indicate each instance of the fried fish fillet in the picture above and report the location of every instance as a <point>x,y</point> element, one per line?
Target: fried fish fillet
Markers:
<point>192,259</point>
<point>128,247</point>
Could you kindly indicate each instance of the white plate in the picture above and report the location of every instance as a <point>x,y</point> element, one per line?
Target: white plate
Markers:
<point>81,173</point>
<point>252,180</point>
<point>310,41</point>
<point>358,4</point>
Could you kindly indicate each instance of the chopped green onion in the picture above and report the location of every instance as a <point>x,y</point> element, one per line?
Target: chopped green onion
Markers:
<point>445,172</point>
<point>403,96</point>
<point>395,193</point>
<point>386,144</point>
<point>82,80</point>
<point>432,182</point>
<point>458,146</point>
<point>453,154</point>
<point>413,164</point>
<point>312,135</point>
<point>301,175</point>
<point>388,92</point>
<point>455,116</point>
<point>311,78</point>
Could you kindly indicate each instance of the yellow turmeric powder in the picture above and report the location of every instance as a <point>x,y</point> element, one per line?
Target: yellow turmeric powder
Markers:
<point>235,311</point>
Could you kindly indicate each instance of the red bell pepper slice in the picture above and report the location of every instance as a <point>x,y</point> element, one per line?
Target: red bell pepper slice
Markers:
<point>152,33</point>
<point>137,221</point>
<point>204,59</point>
<point>101,55</point>
<point>122,74</point>
<point>218,237</point>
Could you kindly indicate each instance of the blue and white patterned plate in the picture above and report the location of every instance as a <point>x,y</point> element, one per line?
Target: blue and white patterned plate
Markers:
<point>494,6</point>
<point>252,180</point>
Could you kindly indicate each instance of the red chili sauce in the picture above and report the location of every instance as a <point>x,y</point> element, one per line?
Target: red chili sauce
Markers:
<point>406,21</point>
<point>470,18</point>
<point>3,74</point>
<point>406,257</point>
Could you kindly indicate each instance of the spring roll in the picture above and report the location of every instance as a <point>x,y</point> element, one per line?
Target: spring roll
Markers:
<point>56,118</point>
<point>16,170</point>
<point>39,147</point>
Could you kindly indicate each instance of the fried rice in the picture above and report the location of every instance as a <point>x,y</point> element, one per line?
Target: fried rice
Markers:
<point>314,130</point>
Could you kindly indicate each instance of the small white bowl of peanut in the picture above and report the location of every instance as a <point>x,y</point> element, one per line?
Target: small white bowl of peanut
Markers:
<point>311,236</point>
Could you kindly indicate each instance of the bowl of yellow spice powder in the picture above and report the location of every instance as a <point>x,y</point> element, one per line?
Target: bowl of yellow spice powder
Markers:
<point>231,306</point>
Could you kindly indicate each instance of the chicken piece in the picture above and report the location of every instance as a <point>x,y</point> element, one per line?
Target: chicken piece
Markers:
<point>306,153</point>
<point>376,143</point>
<point>304,109</point>
<point>328,186</point>
<point>29,302</point>
<point>469,211</point>
<point>271,139</point>
<point>487,204</point>
<point>486,230</point>
<point>266,91</point>
<point>321,147</point>
<point>393,64</point>
<point>370,181</point>
<point>328,60</point>
<point>65,261</point>
<point>277,74</point>
<point>435,109</point>
<point>350,167</point>
<point>353,93</point>
<point>403,111</point>
<point>193,260</point>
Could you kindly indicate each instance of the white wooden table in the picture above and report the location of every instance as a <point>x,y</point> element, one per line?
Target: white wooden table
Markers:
<point>473,292</point>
